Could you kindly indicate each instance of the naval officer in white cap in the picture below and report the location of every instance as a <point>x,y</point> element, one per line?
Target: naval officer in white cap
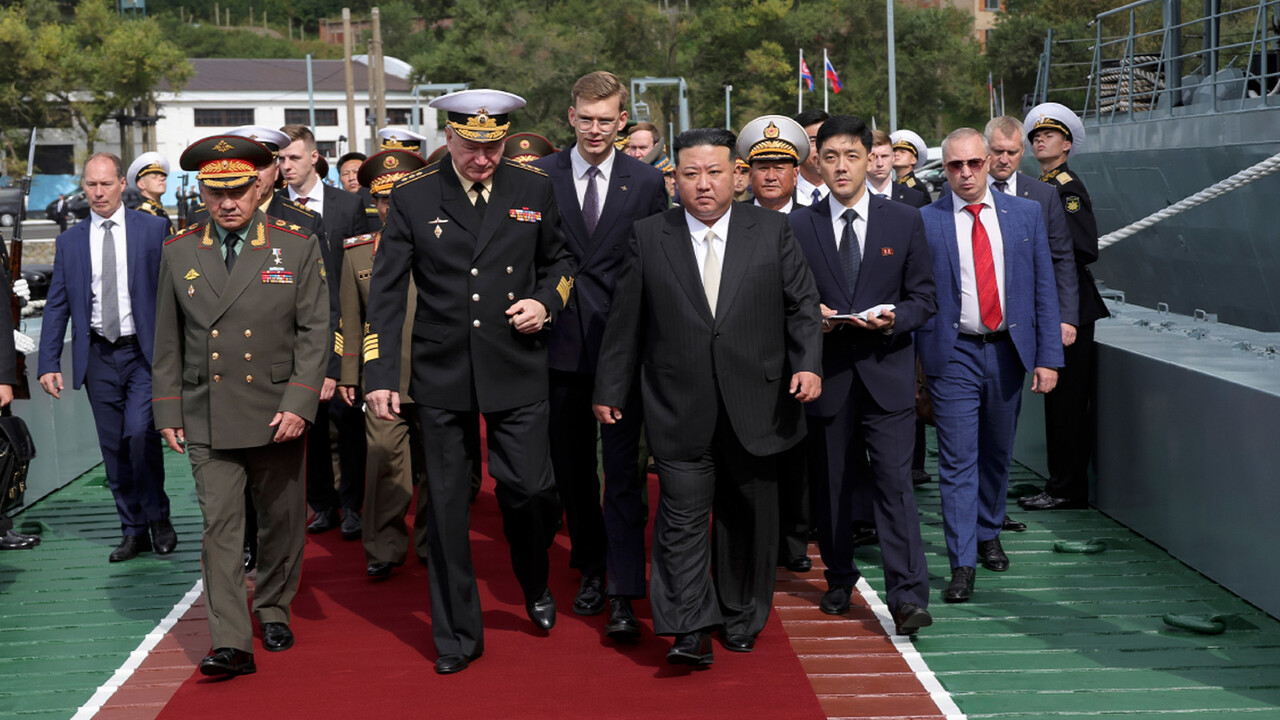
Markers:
<point>149,173</point>
<point>480,235</point>
<point>909,154</point>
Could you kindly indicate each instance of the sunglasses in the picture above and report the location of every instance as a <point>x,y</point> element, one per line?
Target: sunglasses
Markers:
<point>975,164</point>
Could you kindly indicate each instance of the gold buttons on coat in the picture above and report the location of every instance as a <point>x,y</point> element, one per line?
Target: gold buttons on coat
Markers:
<point>474,272</point>
<point>248,333</point>
<point>248,378</point>
<point>475,323</point>
<point>511,296</point>
<point>214,332</point>
<point>214,356</point>
<point>510,269</point>
<point>217,378</point>
<point>475,297</point>
<point>248,357</point>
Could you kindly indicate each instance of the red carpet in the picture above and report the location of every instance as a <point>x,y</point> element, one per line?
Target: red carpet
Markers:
<point>364,650</point>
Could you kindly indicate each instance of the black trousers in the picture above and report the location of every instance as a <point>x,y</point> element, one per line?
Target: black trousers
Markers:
<point>723,579</point>
<point>609,536</point>
<point>795,497</point>
<point>519,461</point>
<point>862,458</point>
<point>338,429</point>
<point>1070,419</point>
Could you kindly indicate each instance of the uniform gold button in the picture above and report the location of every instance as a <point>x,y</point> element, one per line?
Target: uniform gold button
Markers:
<point>510,269</point>
<point>248,378</point>
<point>511,296</point>
<point>475,298</point>
<point>248,333</point>
<point>214,356</point>
<point>248,356</point>
<point>475,323</point>
<point>217,378</point>
<point>474,272</point>
<point>214,332</point>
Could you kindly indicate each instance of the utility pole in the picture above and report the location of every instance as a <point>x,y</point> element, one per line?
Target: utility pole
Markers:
<point>380,75</point>
<point>349,71</point>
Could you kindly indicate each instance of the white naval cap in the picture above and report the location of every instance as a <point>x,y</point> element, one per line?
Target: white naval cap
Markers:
<point>396,139</point>
<point>273,139</point>
<point>478,115</point>
<point>146,164</point>
<point>773,137</point>
<point>1055,116</point>
<point>908,140</point>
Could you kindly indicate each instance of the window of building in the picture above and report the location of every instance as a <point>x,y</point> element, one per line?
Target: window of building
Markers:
<point>327,148</point>
<point>395,116</point>
<point>223,117</point>
<point>991,5</point>
<point>325,117</point>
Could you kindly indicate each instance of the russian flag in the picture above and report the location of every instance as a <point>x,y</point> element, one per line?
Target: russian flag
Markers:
<point>805,75</point>
<point>835,79</point>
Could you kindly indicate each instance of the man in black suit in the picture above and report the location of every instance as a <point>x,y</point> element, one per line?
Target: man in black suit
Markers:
<point>480,235</point>
<point>867,252</point>
<point>336,442</point>
<point>601,192</point>
<point>717,311</point>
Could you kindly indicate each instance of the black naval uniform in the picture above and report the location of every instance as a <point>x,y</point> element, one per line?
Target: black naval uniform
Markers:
<point>151,207</point>
<point>468,361</point>
<point>1068,410</point>
<point>910,181</point>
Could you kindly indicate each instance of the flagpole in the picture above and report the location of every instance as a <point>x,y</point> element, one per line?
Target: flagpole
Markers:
<point>826,82</point>
<point>800,84</point>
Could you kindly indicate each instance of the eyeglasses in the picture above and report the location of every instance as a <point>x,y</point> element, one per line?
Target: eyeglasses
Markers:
<point>585,124</point>
<point>974,164</point>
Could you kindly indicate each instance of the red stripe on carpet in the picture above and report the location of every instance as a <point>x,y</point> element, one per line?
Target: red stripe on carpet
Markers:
<point>364,650</point>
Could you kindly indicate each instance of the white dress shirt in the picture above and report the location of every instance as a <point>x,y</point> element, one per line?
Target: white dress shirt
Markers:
<point>96,234</point>
<point>315,196</point>
<point>886,191</point>
<point>862,207</point>
<point>698,231</point>
<point>1012,189</point>
<point>786,209</point>
<point>804,191</point>
<point>970,313</point>
<point>580,167</point>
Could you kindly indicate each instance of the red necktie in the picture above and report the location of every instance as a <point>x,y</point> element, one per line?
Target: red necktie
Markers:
<point>984,267</point>
<point>302,199</point>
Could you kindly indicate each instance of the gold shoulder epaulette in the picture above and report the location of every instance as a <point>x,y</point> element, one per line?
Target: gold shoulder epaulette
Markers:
<point>281,226</point>
<point>300,207</point>
<point>370,211</point>
<point>358,240</point>
<point>1063,178</point>
<point>192,229</point>
<point>522,166</point>
<point>418,175</point>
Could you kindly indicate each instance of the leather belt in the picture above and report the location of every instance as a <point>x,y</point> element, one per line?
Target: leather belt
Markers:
<point>123,341</point>
<point>988,337</point>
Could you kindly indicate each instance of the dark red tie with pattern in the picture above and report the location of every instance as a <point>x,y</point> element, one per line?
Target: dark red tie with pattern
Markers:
<point>984,267</point>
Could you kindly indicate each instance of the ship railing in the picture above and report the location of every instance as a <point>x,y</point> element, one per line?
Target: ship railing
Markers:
<point>1147,58</point>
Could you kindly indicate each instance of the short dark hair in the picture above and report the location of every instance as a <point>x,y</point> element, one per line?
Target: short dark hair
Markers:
<point>809,117</point>
<point>844,125</point>
<point>717,137</point>
<point>352,156</point>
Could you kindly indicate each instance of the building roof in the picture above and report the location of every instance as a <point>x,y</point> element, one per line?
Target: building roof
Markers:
<point>250,75</point>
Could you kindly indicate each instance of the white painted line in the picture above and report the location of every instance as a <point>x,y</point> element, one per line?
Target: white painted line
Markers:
<point>139,654</point>
<point>902,643</point>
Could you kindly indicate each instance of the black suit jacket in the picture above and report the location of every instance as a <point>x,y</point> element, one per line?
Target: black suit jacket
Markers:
<point>1084,236</point>
<point>767,326</point>
<point>1064,263</point>
<point>914,197</point>
<point>896,268</point>
<point>468,270</point>
<point>635,191</point>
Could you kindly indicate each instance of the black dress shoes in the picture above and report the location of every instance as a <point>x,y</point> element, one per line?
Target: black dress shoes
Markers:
<point>1045,501</point>
<point>960,589</point>
<point>909,618</point>
<point>1011,525</point>
<point>542,610</point>
<point>992,555</point>
<point>799,564</point>
<point>864,534</point>
<point>381,569</point>
<point>449,664</point>
<point>351,529</point>
<point>163,537</point>
<point>739,642</point>
<point>836,600</point>
<point>17,541</point>
<point>324,521</point>
<point>129,548</point>
<point>622,625</point>
<point>692,649</point>
<point>590,598</point>
<point>920,477</point>
<point>229,662</point>
<point>276,637</point>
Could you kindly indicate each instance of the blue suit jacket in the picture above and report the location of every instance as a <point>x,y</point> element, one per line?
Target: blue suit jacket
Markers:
<point>896,268</point>
<point>1031,296</point>
<point>635,191</point>
<point>71,291</point>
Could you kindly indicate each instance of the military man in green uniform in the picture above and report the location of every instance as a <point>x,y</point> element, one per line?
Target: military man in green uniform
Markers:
<point>149,174</point>
<point>242,328</point>
<point>389,463</point>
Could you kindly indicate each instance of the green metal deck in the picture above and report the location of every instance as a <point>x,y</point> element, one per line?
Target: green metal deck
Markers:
<point>1056,635</point>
